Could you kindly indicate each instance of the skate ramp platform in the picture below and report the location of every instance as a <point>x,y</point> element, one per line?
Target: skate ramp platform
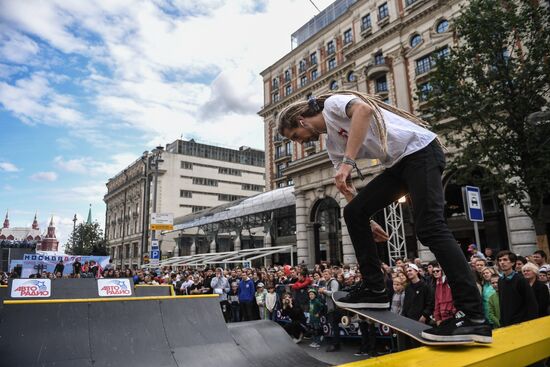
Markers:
<point>154,290</point>
<point>138,332</point>
<point>267,344</point>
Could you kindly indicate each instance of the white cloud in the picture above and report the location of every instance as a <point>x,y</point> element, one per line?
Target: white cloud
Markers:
<point>44,176</point>
<point>8,167</point>
<point>89,166</point>
<point>16,47</point>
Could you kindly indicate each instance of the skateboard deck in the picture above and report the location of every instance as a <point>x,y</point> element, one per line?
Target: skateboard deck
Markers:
<point>397,322</point>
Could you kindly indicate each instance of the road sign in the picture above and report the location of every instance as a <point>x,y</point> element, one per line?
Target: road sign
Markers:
<point>472,199</point>
<point>154,244</point>
<point>155,257</point>
<point>162,221</point>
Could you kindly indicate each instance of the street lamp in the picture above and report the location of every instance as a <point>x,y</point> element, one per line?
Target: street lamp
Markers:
<point>157,153</point>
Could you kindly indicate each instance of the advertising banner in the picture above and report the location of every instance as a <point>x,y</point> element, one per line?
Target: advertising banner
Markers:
<point>44,262</point>
<point>31,288</point>
<point>114,287</point>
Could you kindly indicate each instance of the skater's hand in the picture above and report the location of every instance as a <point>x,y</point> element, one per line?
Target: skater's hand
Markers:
<point>341,180</point>
<point>378,233</point>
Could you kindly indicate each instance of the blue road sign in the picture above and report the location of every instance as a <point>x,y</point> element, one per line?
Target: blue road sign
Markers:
<point>155,254</point>
<point>472,198</point>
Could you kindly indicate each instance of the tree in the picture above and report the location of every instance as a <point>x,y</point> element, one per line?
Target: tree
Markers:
<point>87,239</point>
<point>484,92</point>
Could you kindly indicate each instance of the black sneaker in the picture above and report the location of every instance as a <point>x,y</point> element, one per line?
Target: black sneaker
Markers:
<point>459,329</point>
<point>364,298</point>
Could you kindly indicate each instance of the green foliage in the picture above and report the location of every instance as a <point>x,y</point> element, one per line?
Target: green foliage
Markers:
<point>484,91</point>
<point>87,239</point>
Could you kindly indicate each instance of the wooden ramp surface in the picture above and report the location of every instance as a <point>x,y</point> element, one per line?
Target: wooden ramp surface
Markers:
<point>513,346</point>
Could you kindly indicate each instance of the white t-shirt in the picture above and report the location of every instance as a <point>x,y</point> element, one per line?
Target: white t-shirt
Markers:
<point>404,136</point>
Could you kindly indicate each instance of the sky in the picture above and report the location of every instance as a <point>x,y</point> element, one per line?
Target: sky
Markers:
<point>87,86</point>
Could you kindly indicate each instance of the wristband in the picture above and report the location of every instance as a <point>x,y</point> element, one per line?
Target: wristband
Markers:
<point>353,165</point>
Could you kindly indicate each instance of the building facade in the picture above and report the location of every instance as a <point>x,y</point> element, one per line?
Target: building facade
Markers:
<point>191,177</point>
<point>385,48</point>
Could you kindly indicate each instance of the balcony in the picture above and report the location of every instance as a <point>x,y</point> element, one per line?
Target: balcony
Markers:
<point>383,20</point>
<point>310,146</point>
<point>366,29</point>
<point>281,156</point>
<point>331,51</point>
<point>374,71</point>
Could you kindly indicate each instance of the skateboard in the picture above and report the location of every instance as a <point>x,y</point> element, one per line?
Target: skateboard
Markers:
<point>397,322</point>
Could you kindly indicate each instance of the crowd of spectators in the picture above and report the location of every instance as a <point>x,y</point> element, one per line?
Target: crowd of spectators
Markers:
<point>513,289</point>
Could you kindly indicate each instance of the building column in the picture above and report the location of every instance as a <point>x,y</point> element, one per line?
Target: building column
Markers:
<point>237,242</point>
<point>522,237</point>
<point>302,248</point>
<point>347,247</point>
<point>400,78</point>
<point>311,244</point>
<point>213,245</point>
<point>193,249</point>
<point>267,243</point>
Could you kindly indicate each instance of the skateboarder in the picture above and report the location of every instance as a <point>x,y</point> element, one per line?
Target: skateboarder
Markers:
<point>359,126</point>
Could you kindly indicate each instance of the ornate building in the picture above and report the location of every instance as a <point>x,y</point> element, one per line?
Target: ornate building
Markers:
<point>20,233</point>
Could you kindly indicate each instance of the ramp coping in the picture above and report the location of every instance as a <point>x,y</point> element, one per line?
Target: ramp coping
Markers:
<point>114,299</point>
<point>516,345</point>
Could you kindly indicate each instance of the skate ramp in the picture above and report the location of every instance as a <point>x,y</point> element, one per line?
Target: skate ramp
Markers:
<point>137,332</point>
<point>267,344</point>
<point>3,295</point>
<point>153,290</point>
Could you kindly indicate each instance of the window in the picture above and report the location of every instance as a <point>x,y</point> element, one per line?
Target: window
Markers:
<point>288,148</point>
<point>415,40</point>
<point>229,171</point>
<point>280,184</point>
<point>302,66</point>
<point>378,58</point>
<point>332,63</point>
<point>287,76</point>
<point>383,11</point>
<point>351,77</point>
<point>227,197</point>
<point>409,2</point>
<point>204,181</point>
<point>279,170</point>
<point>330,47</point>
<point>186,194</point>
<point>196,208</point>
<point>365,22</point>
<point>288,90</point>
<point>443,52</point>
<point>275,83</point>
<point>303,81</point>
<point>381,84</point>
<point>250,187</point>
<point>442,26</point>
<point>425,90</point>
<point>386,100</point>
<point>186,165</point>
<point>313,58</point>
<point>423,65</point>
<point>276,97</point>
<point>278,151</point>
<point>333,85</point>
<point>314,74</point>
<point>348,37</point>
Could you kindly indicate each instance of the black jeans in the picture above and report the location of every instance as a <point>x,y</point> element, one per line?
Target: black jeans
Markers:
<point>419,175</point>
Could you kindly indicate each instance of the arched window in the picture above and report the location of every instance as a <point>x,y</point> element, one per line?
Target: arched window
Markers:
<point>415,40</point>
<point>333,85</point>
<point>351,77</point>
<point>442,26</point>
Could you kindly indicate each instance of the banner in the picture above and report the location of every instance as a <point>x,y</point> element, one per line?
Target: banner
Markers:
<point>114,287</point>
<point>46,262</point>
<point>31,288</point>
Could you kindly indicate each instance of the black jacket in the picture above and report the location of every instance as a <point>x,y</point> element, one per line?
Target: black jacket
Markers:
<point>517,300</point>
<point>542,296</point>
<point>419,301</point>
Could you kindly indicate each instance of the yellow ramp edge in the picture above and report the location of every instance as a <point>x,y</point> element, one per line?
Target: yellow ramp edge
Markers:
<point>513,346</point>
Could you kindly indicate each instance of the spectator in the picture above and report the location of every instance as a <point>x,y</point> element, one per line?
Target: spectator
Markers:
<point>516,297</point>
<point>543,276</point>
<point>271,301</point>
<point>300,287</point>
<point>77,267</point>
<point>197,287</point>
<point>530,273</point>
<point>314,323</point>
<point>540,258</point>
<point>473,251</point>
<point>489,256</point>
<point>333,313</point>
<point>444,307</point>
<point>110,265</point>
<point>220,286</point>
<point>247,299</point>
<point>296,327</point>
<point>59,267</point>
<point>494,305</point>
<point>398,296</point>
<point>520,261</point>
<point>233,299</point>
<point>418,302</point>
<point>260,301</point>
<point>487,289</point>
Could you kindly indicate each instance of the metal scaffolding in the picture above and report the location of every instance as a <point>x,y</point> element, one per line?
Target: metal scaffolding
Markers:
<point>397,246</point>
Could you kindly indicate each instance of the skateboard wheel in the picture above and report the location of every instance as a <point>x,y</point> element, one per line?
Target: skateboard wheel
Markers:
<point>345,320</point>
